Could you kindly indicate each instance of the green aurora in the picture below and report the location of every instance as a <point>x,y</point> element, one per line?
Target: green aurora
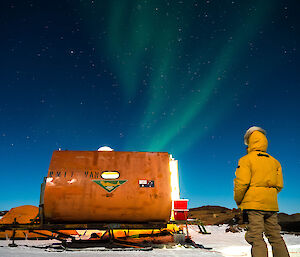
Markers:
<point>159,52</point>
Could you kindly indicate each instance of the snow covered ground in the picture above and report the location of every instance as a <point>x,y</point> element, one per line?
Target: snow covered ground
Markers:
<point>234,244</point>
<point>223,244</point>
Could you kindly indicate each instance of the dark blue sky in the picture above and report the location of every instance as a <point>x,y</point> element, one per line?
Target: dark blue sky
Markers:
<point>186,77</point>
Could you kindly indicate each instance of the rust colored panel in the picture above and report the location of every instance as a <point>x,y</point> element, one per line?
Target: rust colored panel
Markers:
<point>24,215</point>
<point>75,191</point>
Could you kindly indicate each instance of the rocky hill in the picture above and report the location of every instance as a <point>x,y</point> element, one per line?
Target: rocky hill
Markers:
<point>216,215</point>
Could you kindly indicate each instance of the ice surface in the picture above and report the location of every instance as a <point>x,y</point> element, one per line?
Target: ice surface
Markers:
<point>223,244</point>
<point>234,244</point>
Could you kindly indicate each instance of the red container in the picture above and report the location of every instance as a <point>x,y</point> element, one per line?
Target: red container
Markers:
<point>180,204</point>
<point>181,214</point>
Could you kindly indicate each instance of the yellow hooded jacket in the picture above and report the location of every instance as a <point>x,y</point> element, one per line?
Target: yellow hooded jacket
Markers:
<point>258,177</point>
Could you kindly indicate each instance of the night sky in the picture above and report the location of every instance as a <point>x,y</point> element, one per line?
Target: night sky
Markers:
<point>185,77</point>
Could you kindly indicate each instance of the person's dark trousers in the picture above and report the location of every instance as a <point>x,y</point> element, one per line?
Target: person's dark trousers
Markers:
<point>265,221</point>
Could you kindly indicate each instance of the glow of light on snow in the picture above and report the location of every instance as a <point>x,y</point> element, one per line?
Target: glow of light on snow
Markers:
<point>235,251</point>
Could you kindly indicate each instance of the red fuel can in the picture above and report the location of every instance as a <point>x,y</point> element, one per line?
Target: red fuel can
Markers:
<point>180,204</point>
<point>181,214</point>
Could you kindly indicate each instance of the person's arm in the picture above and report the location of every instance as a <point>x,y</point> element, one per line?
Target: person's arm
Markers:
<point>279,184</point>
<point>242,180</point>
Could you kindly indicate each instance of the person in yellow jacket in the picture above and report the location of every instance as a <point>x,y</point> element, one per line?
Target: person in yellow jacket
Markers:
<point>257,183</point>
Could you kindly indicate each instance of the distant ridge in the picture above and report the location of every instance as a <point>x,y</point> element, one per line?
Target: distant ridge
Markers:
<point>211,207</point>
<point>216,215</point>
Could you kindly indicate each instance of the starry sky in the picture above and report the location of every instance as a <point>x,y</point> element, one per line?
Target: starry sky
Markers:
<point>185,77</point>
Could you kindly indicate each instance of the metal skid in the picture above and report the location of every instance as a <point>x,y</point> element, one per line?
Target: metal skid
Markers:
<point>69,241</point>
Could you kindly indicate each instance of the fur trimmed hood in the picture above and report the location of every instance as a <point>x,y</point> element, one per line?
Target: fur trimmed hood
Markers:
<point>250,131</point>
